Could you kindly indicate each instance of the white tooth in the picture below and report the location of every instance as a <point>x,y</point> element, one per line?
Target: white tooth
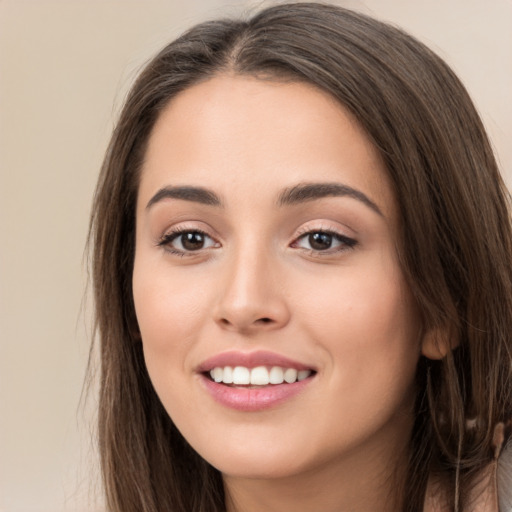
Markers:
<point>216,374</point>
<point>276,375</point>
<point>227,378</point>
<point>241,375</point>
<point>301,375</point>
<point>290,375</point>
<point>259,376</point>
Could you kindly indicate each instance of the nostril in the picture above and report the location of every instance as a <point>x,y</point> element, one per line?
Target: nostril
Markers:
<point>246,323</point>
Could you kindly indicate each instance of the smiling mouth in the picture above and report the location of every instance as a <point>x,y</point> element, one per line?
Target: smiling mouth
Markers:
<point>258,376</point>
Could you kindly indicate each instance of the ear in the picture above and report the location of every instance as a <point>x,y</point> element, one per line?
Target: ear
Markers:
<point>438,341</point>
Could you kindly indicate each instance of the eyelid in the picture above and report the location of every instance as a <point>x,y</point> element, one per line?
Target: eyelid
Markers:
<point>324,227</point>
<point>183,226</point>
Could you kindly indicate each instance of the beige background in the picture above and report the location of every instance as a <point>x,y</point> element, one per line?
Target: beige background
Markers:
<point>64,69</point>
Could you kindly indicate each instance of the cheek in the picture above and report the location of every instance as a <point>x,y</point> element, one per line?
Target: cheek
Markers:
<point>168,307</point>
<point>169,311</point>
<point>368,326</point>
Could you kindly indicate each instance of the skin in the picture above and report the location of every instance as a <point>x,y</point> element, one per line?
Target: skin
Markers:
<point>256,284</point>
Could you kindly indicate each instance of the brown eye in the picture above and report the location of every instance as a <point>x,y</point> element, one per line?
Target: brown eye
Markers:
<point>324,242</point>
<point>320,241</point>
<point>183,242</point>
<point>192,241</point>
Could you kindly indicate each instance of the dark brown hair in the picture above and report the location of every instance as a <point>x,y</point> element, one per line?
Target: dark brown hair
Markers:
<point>455,244</point>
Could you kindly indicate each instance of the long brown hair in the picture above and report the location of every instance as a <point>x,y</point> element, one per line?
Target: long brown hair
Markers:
<point>455,244</point>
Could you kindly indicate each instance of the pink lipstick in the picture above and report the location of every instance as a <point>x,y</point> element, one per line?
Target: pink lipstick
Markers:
<point>253,381</point>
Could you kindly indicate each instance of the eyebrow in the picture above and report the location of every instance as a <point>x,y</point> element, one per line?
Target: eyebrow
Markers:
<point>312,191</point>
<point>186,193</point>
<point>297,194</point>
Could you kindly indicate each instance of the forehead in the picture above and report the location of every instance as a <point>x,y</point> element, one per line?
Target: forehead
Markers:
<point>242,134</point>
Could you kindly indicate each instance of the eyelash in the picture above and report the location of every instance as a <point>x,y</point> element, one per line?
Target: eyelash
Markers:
<point>168,238</point>
<point>346,243</point>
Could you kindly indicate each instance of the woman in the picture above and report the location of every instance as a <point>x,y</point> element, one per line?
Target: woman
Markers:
<point>302,276</point>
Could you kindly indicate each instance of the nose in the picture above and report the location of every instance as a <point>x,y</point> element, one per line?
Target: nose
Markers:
<point>251,296</point>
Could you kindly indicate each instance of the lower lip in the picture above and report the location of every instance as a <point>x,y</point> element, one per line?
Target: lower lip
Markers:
<point>253,399</point>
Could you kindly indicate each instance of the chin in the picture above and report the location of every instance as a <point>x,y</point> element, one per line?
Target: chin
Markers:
<point>264,458</point>
<point>258,468</point>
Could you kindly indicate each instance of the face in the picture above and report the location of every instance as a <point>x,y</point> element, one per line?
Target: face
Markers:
<point>277,327</point>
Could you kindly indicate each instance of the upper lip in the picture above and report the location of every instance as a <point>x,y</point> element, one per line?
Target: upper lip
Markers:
<point>250,360</point>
